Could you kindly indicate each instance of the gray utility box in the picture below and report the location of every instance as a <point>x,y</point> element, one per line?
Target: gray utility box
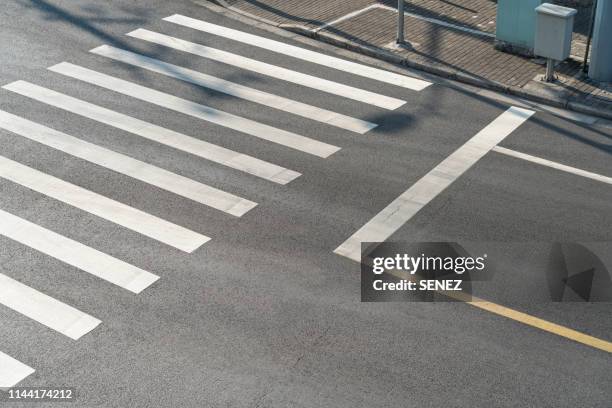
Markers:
<point>553,35</point>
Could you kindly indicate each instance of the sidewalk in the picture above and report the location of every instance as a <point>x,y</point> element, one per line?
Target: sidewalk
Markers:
<point>452,38</point>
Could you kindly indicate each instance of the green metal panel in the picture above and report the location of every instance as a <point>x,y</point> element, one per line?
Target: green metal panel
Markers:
<point>600,68</point>
<point>516,22</point>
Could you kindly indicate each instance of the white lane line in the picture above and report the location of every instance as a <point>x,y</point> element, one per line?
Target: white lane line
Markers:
<point>284,74</point>
<point>552,164</point>
<point>44,309</point>
<point>123,164</point>
<point>197,110</point>
<point>188,144</point>
<point>301,53</point>
<point>75,254</point>
<point>12,371</point>
<point>96,204</point>
<point>403,208</point>
<point>237,90</point>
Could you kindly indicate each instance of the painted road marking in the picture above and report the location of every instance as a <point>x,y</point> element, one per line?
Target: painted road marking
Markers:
<point>521,317</point>
<point>188,144</point>
<point>237,90</point>
<point>302,53</point>
<point>75,254</point>
<point>12,371</point>
<point>123,164</point>
<point>552,164</point>
<point>407,205</point>
<point>44,309</point>
<point>284,74</point>
<point>96,204</point>
<point>543,325</point>
<point>197,110</point>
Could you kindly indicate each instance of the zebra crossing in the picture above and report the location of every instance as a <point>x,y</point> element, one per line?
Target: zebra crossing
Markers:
<point>44,309</point>
<point>259,67</point>
<point>155,133</point>
<point>206,113</point>
<point>73,323</point>
<point>301,53</point>
<point>237,90</point>
<point>74,253</point>
<point>120,163</point>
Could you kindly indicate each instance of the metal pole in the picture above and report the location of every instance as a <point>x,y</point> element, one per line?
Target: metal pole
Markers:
<point>588,44</point>
<point>550,70</point>
<point>400,22</point>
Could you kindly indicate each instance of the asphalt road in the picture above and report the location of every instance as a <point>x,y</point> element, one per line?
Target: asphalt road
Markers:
<point>265,314</point>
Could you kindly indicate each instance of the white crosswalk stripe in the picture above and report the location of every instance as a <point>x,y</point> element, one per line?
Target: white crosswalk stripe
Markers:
<point>284,74</point>
<point>12,371</point>
<point>44,309</point>
<point>120,163</point>
<point>121,214</point>
<point>197,110</point>
<point>237,90</point>
<point>301,53</point>
<point>76,254</point>
<point>188,144</point>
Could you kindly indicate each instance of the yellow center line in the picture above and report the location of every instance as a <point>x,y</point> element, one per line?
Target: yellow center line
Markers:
<point>542,324</point>
<point>521,317</point>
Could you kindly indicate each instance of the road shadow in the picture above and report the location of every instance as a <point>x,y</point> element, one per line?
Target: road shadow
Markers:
<point>94,20</point>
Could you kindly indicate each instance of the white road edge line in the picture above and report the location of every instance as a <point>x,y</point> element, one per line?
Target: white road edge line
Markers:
<point>302,53</point>
<point>44,309</point>
<point>139,170</point>
<point>12,371</point>
<point>240,91</point>
<point>273,71</point>
<point>75,254</point>
<point>167,137</point>
<point>203,112</point>
<point>101,206</point>
<point>552,164</point>
<point>407,205</point>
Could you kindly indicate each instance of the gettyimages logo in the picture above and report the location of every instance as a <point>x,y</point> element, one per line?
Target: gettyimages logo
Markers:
<point>576,274</point>
<point>420,272</point>
<point>502,272</point>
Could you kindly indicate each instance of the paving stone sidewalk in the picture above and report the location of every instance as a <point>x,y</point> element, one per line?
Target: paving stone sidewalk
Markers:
<point>453,38</point>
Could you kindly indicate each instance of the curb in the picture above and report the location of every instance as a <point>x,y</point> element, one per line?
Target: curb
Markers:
<point>381,54</point>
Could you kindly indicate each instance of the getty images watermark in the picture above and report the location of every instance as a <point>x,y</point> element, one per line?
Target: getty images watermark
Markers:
<point>494,271</point>
<point>38,394</point>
